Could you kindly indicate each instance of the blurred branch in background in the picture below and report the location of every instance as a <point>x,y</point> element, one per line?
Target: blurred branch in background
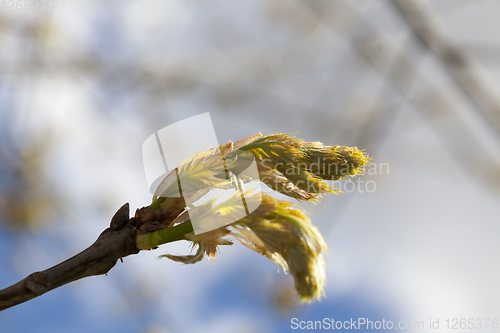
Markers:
<point>365,121</point>
<point>470,77</point>
<point>318,29</point>
<point>436,104</point>
<point>401,70</point>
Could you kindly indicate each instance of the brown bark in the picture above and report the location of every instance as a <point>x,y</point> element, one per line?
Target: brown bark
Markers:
<point>114,243</point>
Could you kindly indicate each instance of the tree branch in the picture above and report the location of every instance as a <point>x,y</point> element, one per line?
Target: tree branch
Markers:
<point>114,243</point>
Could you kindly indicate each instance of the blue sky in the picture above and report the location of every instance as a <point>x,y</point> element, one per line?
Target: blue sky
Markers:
<point>102,77</point>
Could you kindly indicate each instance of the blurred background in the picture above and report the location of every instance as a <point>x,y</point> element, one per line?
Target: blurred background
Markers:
<point>414,83</point>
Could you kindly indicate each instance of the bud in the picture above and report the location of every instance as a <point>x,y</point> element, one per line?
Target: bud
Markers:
<point>284,234</point>
<point>332,162</point>
<point>276,229</point>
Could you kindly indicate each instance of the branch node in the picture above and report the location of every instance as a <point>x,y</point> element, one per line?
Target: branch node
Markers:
<point>120,218</point>
<point>37,283</point>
